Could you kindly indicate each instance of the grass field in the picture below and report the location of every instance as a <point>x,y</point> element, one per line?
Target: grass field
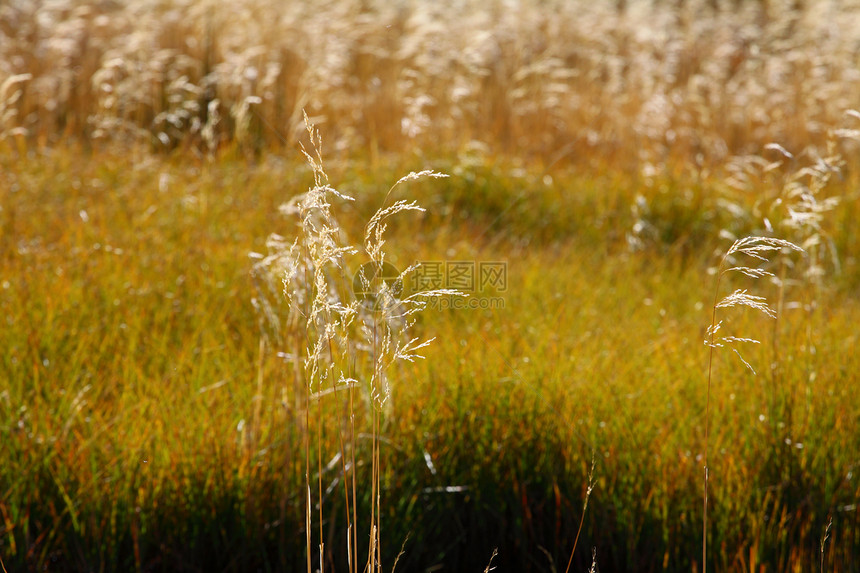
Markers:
<point>158,408</point>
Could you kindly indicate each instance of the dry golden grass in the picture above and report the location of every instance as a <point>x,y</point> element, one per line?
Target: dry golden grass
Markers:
<point>167,409</point>
<point>631,84</point>
<point>348,339</point>
<point>146,426</point>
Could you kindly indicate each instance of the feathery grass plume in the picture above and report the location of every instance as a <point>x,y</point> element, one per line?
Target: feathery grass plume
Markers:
<point>807,194</point>
<point>760,249</point>
<point>342,342</point>
<point>802,204</point>
<point>316,287</point>
<point>806,208</point>
<point>10,95</point>
<point>394,314</point>
<point>384,325</point>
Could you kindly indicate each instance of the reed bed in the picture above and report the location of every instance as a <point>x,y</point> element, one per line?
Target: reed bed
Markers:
<point>627,83</point>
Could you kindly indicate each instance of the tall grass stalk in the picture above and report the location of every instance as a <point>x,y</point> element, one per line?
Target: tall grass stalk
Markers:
<point>759,249</point>
<point>489,566</point>
<point>354,338</point>
<point>584,508</point>
<point>824,537</point>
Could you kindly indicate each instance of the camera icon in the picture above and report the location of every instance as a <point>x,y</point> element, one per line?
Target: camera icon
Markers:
<point>377,286</point>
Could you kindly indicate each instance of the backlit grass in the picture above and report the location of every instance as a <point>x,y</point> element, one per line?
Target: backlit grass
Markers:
<point>135,436</point>
<point>154,410</point>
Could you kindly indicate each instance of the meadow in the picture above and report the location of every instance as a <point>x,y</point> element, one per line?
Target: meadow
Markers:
<point>163,405</point>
